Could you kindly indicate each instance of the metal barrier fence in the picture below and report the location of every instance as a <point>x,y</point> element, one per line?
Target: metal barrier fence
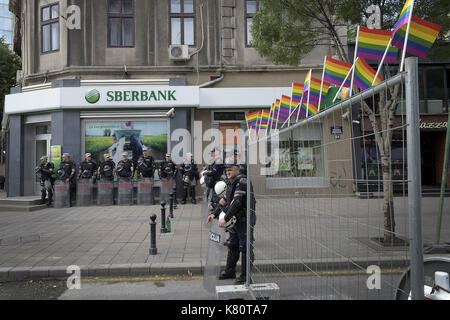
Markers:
<point>338,203</point>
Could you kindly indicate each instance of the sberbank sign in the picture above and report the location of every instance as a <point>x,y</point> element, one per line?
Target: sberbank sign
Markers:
<point>140,95</point>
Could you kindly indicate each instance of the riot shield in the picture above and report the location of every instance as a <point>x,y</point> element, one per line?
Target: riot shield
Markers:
<point>144,195</point>
<point>62,196</point>
<point>84,192</point>
<point>105,193</point>
<point>125,192</point>
<point>215,256</point>
<point>166,188</point>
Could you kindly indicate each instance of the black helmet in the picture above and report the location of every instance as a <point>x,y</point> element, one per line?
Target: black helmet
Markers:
<point>168,170</point>
<point>120,167</point>
<point>61,174</point>
<point>37,170</point>
<point>187,167</point>
<point>86,174</point>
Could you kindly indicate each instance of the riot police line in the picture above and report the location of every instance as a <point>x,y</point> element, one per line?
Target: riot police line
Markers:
<point>108,183</point>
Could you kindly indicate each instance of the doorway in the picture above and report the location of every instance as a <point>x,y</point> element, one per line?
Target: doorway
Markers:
<point>41,148</point>
<point>432,147</point>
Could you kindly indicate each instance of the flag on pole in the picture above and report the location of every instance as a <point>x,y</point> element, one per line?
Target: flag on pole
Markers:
<point>314,89</point>
<point>252,119</point>
<point>422,35</point>
<point>276,114</point>
<point>364,75</point>
<point>307,81</point>
<point>336,71</point>
<point>264,120</point>
<point>312,108</point>
<point>297,90</point>
<point>405,14</point>
<point>372,43</point>
<point>285,108</point>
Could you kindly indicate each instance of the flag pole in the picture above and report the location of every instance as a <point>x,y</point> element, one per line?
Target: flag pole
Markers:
<point>354,63</point>
<point>290,105</point>
<point>270,120</point>
<point>405,45</point>
<point>300,106</point>
<point>307,103</point>
<point>321,83</point>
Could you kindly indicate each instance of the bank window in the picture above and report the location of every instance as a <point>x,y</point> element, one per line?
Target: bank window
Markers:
<point>229,116</point>
<point>50,28</point>
<point>251,7</point>
<point>120,23</point>
<point>300,153</point>
<point>435,89</point>
<point>182,22</point>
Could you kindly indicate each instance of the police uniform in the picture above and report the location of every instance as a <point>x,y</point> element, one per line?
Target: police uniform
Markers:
<point>146,167</point>
<point>107,169</point>
<point>189,171</point>
<point>124,168</point>
<point>46,182</point>
<point>236,197</point>
<point>66,168</point>
<point>168,169</point>
<point>87,169</point>
<point>214,173</point>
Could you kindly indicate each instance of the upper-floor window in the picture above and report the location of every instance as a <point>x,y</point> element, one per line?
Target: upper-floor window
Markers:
<point>120,23</point>
<point>251,7</point>
<point>182,22</point>
<point>50,28</point>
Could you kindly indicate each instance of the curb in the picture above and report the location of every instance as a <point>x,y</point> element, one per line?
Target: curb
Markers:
<point>10,274</point>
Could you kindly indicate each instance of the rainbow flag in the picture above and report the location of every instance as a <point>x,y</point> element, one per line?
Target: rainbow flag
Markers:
<point>372,44</point>
<point>313,109</point>
<point>297,90</point>
<point>336,71</point>
<point>363,75</point>
<point>422,35</point>
<point>252,119</point>
<point>314,93</point>
<point>405,14</point>
<point>264,120</point>
<point>285,107</point>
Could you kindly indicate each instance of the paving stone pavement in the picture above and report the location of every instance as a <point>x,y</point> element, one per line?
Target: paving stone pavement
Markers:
<point>114,241</point>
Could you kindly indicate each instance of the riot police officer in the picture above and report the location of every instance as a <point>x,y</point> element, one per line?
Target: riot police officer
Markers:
<point>88,168</point>
<point>107,168</point>
<point>146,165</point>
<point>190,174</point>
<point>233,217</point>
<point>125,168</point>
<point>67,172</point>
<point>167,169</point>
<point>213,174</point>
<point>45,170</point>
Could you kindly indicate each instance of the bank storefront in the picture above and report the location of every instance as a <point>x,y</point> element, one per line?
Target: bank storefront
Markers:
<point>80,116</point>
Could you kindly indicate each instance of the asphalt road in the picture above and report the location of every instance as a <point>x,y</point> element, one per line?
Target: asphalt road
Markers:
<point>323,287</point>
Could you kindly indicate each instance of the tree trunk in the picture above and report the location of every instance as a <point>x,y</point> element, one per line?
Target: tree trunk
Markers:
<point>388,202</point>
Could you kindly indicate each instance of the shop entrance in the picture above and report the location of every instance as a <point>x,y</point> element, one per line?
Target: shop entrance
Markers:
<point>41,148</point>
<point>432,147</point>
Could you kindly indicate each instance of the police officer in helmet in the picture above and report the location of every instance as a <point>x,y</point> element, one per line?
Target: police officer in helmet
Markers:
<point>146,165</point>
<point>88,168</point>
<point>212,175</point>
<point>125,167</point>
<point>45,170</point>
<point>232,215</point>
<point>67,172</point>
<point>107,168</point>
<point>168,169</point>
<point>190,174</point>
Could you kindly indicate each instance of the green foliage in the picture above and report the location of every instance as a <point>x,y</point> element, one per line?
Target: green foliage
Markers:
<point>9,64</point>
<point>285,31</point>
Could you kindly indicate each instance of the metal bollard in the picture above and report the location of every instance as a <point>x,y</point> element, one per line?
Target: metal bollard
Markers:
<point>163,217</point>
<point>153,250</point>
<point>174,190</point>
<point>171,203</point>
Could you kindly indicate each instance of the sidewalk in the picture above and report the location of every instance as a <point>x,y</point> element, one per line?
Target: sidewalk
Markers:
<point>114,241</point>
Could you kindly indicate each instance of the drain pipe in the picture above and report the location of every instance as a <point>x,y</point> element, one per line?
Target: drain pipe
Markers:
<point>212,82</point>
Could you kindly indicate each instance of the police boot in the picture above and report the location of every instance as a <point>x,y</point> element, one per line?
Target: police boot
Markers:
<point>185,193</point>
<point>230,268</point>
<point>243,277</point>
<point>193,200</point>
<point>50,200</point>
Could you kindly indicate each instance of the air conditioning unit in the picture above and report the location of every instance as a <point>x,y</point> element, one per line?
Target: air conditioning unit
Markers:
<point>179,52</point>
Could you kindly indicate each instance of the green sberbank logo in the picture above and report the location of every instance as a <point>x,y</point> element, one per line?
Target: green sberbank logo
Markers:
<point>92,96</point>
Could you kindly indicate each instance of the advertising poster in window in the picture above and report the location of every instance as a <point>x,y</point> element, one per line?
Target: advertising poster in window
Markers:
<point>305,159</point>
<point>116,137</point>
<point>285,159</point>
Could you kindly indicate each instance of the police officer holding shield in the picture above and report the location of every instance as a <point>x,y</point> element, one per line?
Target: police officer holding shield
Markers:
<point>45,170</point>
<point>146,165</point>
<point>67,172</point>
<point>190,174</point>
<point>232,215</point>
<point>107,168</point>
<point>125,168</point>
<point>168,168</point>
<point>88,168</point>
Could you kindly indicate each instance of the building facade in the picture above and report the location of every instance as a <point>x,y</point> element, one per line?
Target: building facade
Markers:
<point>94,70</point>
<point>6,22</point>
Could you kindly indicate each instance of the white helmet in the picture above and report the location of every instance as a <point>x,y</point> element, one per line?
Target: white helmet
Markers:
<point>202,178</point>
<point>220,188</point>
